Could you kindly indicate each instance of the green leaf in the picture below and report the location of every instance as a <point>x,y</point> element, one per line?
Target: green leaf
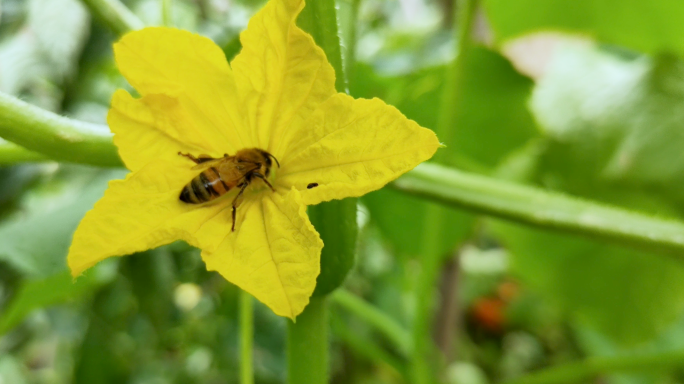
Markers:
<point>11,370</point>
<point>399,217</point>
<point>36,242</point>
<point>614,128</point>
<point>60,28</point>
<point>491,122</point>
<point>46,48</point>
<point>152,276</point>
<point>41,293</point>
<point>647,26</point>
<point>613,122</point>
<point>626,294</point>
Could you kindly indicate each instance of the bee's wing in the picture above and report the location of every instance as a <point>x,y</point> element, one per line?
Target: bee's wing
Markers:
<point>233,174</point>
<point>211,163</point>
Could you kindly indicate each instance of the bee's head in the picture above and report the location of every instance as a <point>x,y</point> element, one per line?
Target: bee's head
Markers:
<point>268,159</point>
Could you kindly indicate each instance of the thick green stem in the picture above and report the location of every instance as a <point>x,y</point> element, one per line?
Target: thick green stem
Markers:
<point>307,345</point>
<point>336,223</point>
<point>58,137</point>
<point>335,220</point>
<point>246,338</point>
<point>115,15</point>
<point>538,207</point>
<point>319,18</point>
<point>423,357</point>
<point>387,326</point>
<point>11,153</point>
<point>587,369</point>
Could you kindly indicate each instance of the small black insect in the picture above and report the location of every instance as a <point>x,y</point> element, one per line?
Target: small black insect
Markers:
<point>312,185</point>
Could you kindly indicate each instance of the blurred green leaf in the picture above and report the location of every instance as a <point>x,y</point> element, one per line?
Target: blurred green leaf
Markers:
<point>647,26</point>
<point>185,14</point>
<point>14,181</point>
<point>60,28</point>
<point>399,217</point>
<point>152,276</point>
<point>614,122</point>
<point>45,51</point>
<point>671,341</point>
<point>628,295</point>
<point>492,122</point>
<point>107,353</point>
<point>41,293</point>
<point>11,370</point>
<point>36,241</point>
<point>20,62</point>
<point>613,125</point>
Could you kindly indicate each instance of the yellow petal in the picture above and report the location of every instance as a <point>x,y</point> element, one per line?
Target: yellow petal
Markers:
<point>143,212</point>
<point>282,76</point>
<point>274,253</point>
<point>350,147</point>
<point>152,128</point>
<point>192,74</point>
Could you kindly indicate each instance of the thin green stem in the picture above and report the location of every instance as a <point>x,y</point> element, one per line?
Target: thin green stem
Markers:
<point>166,13</point>
<point>423,353</point>
<point>307,345</point>
<point>11,153</point>
<point>455,76</point>
<point>386,325</point>
<point>423,357</point>
<point>367,348</point>
<point>57,137</point>
<point>246,338</point>
<point>594,366</point>
<point>115,15</point>
<point>538,207</point>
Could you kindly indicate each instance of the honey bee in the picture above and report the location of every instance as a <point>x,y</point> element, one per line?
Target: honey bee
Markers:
<point>220,175</point>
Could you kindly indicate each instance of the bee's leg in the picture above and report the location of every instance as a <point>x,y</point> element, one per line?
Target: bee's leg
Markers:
<point>259,175</point>
<point>236,203</point>
<point>199,159</point>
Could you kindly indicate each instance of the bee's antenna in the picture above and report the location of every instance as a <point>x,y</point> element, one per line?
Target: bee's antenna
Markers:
<point>274,158</point>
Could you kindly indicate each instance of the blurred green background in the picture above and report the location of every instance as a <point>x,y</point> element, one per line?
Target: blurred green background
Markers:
<point>580,96</point>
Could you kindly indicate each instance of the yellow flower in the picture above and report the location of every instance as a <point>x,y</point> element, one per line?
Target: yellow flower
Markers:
<point>277,95</point>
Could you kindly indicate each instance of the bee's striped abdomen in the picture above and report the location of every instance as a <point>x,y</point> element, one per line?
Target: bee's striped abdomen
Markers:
<point>204,187</point>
